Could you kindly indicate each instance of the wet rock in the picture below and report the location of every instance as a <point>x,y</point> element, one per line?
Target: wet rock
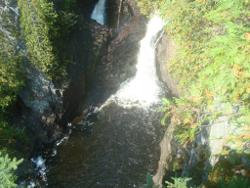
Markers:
<point>41,104</point>
<point>118,63</point>
<point>50,120</point>
<point>87,6</point>
<point>115,18</point>
<point>38,93</point>
<point>165,51</point>
<point>86,48</point>
<point>25,170</point>
<point>168,153</point>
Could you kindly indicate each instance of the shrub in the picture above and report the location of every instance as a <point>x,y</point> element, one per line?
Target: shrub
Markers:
<point>241,182</point>
<point>7,169</point>
<point>38,20</point>
<point>178,183</point>
<point>10,59</point>
<point>212,64</point>
<point>10,81</point>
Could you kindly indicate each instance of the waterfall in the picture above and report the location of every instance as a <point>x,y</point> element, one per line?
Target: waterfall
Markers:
<point>98,13</point>
<point>143,89</point>
<point>124,144</point>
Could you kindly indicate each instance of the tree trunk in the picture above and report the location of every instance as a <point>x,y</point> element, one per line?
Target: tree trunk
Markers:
<point>119,13</point>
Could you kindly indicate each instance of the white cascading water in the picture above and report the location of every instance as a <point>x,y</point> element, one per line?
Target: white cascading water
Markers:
<point>144,88</point>
<point>98,13</point>
<point>125,137</point>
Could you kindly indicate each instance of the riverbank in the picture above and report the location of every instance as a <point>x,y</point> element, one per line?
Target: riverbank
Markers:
<point>207,70</point>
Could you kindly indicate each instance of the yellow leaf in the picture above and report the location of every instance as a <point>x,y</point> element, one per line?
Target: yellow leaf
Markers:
<point>247,36</point>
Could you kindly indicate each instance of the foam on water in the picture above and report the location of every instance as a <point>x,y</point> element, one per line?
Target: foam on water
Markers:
<point>39,162</point>
<point>143,89</point>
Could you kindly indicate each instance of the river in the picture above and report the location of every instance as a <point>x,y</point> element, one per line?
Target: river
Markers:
<point>119,143</point>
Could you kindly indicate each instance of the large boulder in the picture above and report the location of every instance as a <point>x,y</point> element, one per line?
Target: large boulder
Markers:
<point>42,104</point>
<point>165,51</point>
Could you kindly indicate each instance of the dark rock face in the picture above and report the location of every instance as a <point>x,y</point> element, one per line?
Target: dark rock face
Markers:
<point>111,13</point>
<point>108,57</point>
<point>42,106</point>
<point>119,12</point>
<point>118,62</point>
<point>86,46</point>
<point>87,6</point>
<point>168,153</point>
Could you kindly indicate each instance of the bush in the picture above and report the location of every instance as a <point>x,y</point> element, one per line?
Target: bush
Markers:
<point>10,81</point>
<point>7,169</point>
<point>10,135</point>
<point>38,20</point>
<point>10,70</point>
<point>178,183</point>
<point>240,182</point>
<point>212,64</point>
<point>46,31</point>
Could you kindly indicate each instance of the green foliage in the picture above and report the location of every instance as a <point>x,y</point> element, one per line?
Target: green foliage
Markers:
<point>178,183</point>
<point>10,135</point>
<point>212,67</point>
<point>7,168</point>
<point>38,20</point>
<point>230,170</point>
<point>46,32</point>
<point>10,80</point>
<point>212,63</point>
<point>184,114</point>
<point>235,182</point>
<point>211,35</point>
<point>68,5</point>
<point>41,27</point>
<point>149,181</point>
<point>10,60</point>
<point>146,6</point>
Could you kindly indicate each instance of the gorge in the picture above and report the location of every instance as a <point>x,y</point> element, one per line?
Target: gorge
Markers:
<point>122,145</point>
<point>124,93</point>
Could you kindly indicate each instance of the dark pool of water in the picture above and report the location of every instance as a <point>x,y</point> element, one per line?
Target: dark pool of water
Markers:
<point>120,150</point>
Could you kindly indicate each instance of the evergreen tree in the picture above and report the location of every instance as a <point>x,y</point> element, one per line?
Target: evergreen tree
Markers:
<point>7,169</point>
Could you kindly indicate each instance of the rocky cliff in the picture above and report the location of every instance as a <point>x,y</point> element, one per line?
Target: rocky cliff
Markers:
<point>213,151</point>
